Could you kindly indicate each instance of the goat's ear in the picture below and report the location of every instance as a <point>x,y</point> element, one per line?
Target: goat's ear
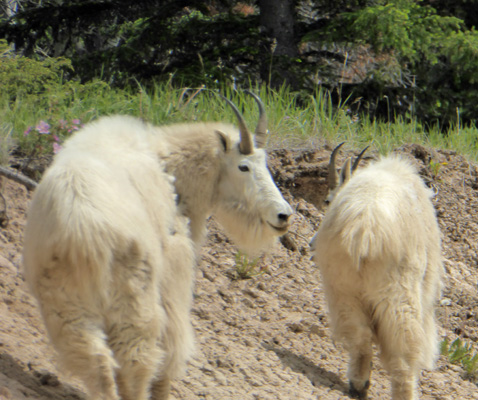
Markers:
<point>346,171</point>
<point>224,139</point>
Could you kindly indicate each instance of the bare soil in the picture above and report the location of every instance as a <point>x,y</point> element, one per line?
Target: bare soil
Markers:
<point>265,337</point>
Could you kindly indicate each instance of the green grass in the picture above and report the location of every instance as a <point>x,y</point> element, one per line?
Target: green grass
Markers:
<point>6,143</point>
<point>32,91</point>
<point>245,268</point>
<point>293,121</point>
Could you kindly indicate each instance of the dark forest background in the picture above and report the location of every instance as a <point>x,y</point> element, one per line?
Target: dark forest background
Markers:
<point>402,58</point>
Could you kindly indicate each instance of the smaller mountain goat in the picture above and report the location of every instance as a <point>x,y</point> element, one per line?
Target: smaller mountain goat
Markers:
<point>112,236</point>
<point>378,250</point>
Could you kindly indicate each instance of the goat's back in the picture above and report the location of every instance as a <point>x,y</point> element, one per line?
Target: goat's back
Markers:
<point>105,196</point>
<point>384,211</point>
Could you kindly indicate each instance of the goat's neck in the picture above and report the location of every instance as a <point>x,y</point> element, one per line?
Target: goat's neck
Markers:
<point>195,165</point>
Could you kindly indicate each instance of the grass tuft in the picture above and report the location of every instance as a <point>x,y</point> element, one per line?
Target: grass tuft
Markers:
<point>245,268</point>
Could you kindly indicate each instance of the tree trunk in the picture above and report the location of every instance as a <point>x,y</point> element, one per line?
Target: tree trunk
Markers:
<point>278,18</point>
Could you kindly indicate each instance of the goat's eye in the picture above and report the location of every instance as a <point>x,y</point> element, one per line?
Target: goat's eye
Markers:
<point>243,168</point>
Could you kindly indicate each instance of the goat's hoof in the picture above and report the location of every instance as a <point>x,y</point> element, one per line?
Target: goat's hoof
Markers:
<point>359,394</point>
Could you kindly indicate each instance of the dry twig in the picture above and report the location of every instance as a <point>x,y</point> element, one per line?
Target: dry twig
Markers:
<point>18,177</point>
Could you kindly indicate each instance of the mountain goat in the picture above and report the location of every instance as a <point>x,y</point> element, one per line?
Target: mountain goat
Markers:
<point>112,236</point>
<point>378,250</point>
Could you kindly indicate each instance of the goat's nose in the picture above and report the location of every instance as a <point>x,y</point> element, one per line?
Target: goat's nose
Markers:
<point>283,217</point>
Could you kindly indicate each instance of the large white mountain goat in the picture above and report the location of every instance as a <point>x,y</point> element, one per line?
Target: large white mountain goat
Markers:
<point>112,236</point>
<point>378,250</point>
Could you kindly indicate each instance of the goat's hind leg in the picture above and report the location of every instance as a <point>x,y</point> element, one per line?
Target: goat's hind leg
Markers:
<point>359,372</point>
<point>160,389</point>
<point>83,351</point>
<point>351,326</point>
<point>404,372</point>
<point>402,342</point>
<point>135,337</point>
<point>137,350</point>
<point>360,365</point>
<point>404,386</point>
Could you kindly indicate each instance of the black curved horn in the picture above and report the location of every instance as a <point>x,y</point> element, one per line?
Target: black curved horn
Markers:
<point>261,129</point>
<point>245,145</point>
<point>333,174</point>
<point>359,157</point>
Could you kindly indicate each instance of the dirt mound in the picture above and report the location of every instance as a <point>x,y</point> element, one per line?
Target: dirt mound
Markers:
<point>265,337</point>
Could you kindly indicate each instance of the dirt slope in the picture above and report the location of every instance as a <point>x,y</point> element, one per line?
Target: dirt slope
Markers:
<point>267,337</point>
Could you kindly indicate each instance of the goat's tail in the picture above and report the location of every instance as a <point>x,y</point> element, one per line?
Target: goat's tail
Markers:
<point>367,231</point>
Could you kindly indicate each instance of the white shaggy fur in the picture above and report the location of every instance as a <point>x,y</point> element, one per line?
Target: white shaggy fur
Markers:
<point>378,250</point>
<point>111,241</point>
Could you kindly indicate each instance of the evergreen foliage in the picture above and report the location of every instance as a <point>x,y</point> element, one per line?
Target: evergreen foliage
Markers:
<point>21,76</point>
<point>421,55</point>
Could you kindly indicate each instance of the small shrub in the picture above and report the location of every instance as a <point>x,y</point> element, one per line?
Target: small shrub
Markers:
<point>459,352</point>
<point>20,76</point>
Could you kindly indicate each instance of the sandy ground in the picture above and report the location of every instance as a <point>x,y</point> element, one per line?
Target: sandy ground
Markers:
<point>266,337</point>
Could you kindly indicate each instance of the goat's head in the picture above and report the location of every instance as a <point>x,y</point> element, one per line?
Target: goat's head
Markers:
<point>249,204</point>
<point>336,179</point>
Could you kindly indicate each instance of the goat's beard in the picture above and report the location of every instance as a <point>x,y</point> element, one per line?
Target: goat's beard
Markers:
<point>249,231</point>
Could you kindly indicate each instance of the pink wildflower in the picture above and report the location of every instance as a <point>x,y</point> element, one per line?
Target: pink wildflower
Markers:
<point>56,147</point>
<point>62,124</point>
<point>76,122</point>
<point>43,127</point>
<point>27,131</point>
<point>55,138</point>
